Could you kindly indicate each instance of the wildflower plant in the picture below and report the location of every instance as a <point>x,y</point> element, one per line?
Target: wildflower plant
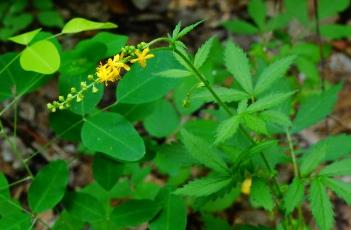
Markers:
<point>237,134</point>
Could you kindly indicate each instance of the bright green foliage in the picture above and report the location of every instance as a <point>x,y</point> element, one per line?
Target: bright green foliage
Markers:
<point>238,65</point>
<point>257,11</point>
<point>269,102</point>
<point>77,25</point>
<point>134,212</point>
<point>203,52</point>
<point>42,57</point>
<point>341,188</point>
<point>294,196</point>
<point>254,123</point>
<point>205,186</point>
<point>25,38</point>
<point>338,168</point>
<point>106,170</point>
<point>163,120</point>
<point>174,73</point>
<point>312,159</point>
<point>48,186</point>
<point>226,94</point>
<point>4,190</point>
<point>321,206</point>
<point>102,133</point>
<point>12,215</point>
<point>203,152</point>
<point>227,129</point>
<point>261,195</point>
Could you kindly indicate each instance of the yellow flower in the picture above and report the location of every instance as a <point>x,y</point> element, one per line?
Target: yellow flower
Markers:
<point>142,56</point>
<point>246,186</point>
<point>110,72</point>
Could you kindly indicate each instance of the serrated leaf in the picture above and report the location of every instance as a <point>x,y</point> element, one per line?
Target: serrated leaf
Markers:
<point>257,11</point>
<point>203,52</point>
<point>203,152</point>
<point>25,38</point>
<point>238,65</point>
<point>176,30</point>
<point>254,123</point>
<point>204,186</point>
<point>261,195</point>
<point>227,128</point>
<point>134,212</point>
<point>269,102</point>
<point>294,195</point>
<point>175,73</point>
<point>77,25</point>
<point>273,73</point>
<point>276,117</point>
<point>312,159</point>
<point>189,28</point>
<point>321,206</point>
<point>338,168</point>
<point>225,94</point>
<point>341,188</point>
<point>316,108</point>
<point>48,186</point>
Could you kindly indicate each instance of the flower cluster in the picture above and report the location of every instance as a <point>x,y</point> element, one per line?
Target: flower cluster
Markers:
<point>105,73</point>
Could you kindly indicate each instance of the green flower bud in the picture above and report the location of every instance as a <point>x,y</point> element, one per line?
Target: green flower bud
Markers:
<point>90,77</point>
<point>61,98</point>
<point>73,90</point>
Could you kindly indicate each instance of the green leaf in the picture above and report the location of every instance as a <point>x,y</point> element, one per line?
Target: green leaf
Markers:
<point>77,25</point>
<point>84,206</point>
<point>315,108</point>
<point>67,222</point>
<point>225,94</point>
<point>272,73</point>
<point>203,152</point>
<point>50,18</point>
<point>325,9</point>
<point>338,168</point>
<point>312,159</point>
<point>341,188</point>
<point>187,29</point>
<point>42,57</point>
<point>257,11</point>
<point>134,212</point>
<point>276,117</point>
<point>163,121</point>
<point>173,215</point>
<point>211,222</point>
<point>240,27</point>
<point>176,30</point>
<point>260,195</point>
<point>4,187</point>
<point>174,73</point>
<point>227,128</point>
<point>113,42</point>
<point>255,123</point>
<point>68,128</point>
<point>106,171</point>
<point>112,134</point>
<point>142,85</point>
<point>12,217</point>
<point>48,186</point>
<point>25,38</point>
<point>268,102</point>
<point>237,64</point>
<point>335,31</point>
<point>321,206</point>
<point>204,186</point>
<point>203,52</point>
<point>294,196</point>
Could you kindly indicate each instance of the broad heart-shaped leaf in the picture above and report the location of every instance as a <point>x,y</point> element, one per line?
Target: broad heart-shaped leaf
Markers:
<point>261,195</point>
<point>272,73</point>
<point>4,187</point>
<point>112,134</point>
<point>294,195</point>
<point>257,11</point>
<point>77,25</point>
<point>106,170</point>
<point>321,206</point>
<point>16,81</point>
<point>203,152</point>
<point>315,108</point>
<point>48,186</point>
<point>142,85</point>
<point>227,128</point>
<point>84,206</point>
<point>341,188</point>
<point>312,159</point>
<point>25,38</point>
<point>42,57</point>
<point>163,121</point>
<point>134,212</point>
<point>173,215</point>
<point>237,64</point>
<point>337,168</point>
<point>203,52</point>
<point>205,186</point>
<point>268,102</point>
